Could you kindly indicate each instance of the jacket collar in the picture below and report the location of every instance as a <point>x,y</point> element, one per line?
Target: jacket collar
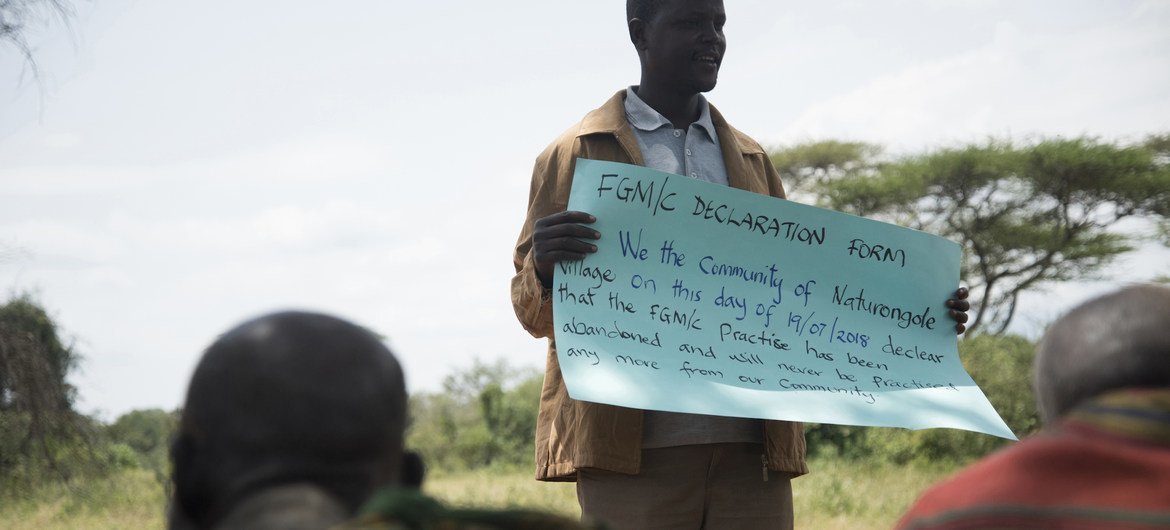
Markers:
<point>644,118</point>
<point>609,118</point>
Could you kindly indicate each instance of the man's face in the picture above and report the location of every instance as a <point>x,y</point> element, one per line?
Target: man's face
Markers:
<point>682,45</point>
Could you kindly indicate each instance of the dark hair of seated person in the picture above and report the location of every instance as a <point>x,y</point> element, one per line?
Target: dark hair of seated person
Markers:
<point>288,398</point>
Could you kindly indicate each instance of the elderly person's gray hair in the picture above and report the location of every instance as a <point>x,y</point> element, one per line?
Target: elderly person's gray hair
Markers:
<point>1116,341</point>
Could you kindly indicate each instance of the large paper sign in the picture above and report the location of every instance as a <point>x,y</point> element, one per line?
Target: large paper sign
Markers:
<point>713,300</point>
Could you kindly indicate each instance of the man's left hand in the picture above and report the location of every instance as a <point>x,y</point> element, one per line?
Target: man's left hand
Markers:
<point>958,310</point>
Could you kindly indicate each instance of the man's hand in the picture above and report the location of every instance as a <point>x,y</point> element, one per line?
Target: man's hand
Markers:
<point>959,306</point>
<point>557,237</point>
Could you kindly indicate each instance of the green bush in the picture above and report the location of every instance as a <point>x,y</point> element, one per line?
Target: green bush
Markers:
<point>999,364</point>
<point>484,417</point>
<point>147,433</point>
<point>120,456</point>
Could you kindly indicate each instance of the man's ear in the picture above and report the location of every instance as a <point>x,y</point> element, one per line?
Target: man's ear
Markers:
<point>637,29</point>
<point>413,470</point>
<point>189,480</point>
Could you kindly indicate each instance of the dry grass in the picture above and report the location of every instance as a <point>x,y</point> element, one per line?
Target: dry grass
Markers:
<point>840,495</point>
<point>129,499</point>
<point>510,489</point>
<point>836,495</point>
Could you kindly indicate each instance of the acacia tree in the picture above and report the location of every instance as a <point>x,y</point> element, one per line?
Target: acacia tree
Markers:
<point>806,168</point>
<point>1026,215</point>
<point>17,15</point>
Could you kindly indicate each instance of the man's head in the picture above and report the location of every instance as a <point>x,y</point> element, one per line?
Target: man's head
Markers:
<point>288,398</point>
<point>680,43</point>
<point>1120,340</point>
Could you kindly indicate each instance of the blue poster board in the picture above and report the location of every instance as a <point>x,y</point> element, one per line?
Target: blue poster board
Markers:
<point>708,299</point>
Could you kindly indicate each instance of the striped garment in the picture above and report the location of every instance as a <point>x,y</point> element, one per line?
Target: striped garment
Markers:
<point>1106,465</point>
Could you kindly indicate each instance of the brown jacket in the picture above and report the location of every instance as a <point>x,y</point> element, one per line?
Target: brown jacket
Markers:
<point>572,434</point>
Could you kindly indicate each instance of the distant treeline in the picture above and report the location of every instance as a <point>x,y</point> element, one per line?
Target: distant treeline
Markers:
<point>486,416</point>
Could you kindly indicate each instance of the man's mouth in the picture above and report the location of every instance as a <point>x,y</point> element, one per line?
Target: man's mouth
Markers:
<point>709,58</point>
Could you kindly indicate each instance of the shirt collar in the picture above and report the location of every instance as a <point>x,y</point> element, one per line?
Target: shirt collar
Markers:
<point>644,118</point>
<point>1138,414</point>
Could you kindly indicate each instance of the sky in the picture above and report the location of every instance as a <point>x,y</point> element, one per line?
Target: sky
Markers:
<point>182,166</point>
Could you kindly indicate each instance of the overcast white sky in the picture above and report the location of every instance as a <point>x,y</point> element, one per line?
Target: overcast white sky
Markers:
<point>185,165</point>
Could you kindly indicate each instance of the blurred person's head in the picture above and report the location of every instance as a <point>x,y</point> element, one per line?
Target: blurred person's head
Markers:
<point>1117,341</point>
<point>288,399</point>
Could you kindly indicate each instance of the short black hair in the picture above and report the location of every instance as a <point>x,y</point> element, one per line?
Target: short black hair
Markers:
<point>288,397</point>
<point>643,9</point>
<point>1112,342</point>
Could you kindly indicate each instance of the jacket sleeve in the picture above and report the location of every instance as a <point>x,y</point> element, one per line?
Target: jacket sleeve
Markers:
<point>775,186</point>
<point>548,194</point>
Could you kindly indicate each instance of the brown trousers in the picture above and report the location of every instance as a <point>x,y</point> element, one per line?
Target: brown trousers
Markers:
<point>690,487</point>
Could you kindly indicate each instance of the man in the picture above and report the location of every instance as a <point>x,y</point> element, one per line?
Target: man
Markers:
<point>1102,382</point>
<point>291,421</point>
<point>648,469</point>
<point>623,459</point>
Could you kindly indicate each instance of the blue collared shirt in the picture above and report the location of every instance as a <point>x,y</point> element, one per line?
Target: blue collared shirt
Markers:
<point>692,152</point>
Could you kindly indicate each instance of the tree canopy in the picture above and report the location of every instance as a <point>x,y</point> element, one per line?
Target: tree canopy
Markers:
<point>1027,214</point>
<point>17,15</point>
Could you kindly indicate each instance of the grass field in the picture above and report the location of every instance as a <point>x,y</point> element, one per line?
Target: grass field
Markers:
<point>130,499</point>
<point>836,495</point>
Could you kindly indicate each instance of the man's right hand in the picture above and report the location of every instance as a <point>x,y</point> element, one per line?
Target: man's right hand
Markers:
<point>557,237</point>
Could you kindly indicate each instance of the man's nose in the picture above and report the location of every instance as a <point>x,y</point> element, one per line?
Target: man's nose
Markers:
<point>711,33</point>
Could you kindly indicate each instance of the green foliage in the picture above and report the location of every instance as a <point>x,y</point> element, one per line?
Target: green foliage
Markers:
<point>1158,143</point>
<point>40,433</point>
<point>510,417</point>
<point>1002,366</point>
<point>121,456</point>
<point>806,166</point>
<point>147,435</point>
<point>826,440</point>
<point>485,416</point>
<point>999,364</point>
<point>1027,215</point>
<point>35,362</point>
<point>65,459</point>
